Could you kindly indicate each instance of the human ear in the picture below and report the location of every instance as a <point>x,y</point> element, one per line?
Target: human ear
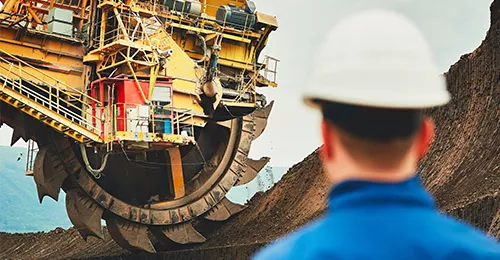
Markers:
<point>426,136</point>
<point>327,149</point>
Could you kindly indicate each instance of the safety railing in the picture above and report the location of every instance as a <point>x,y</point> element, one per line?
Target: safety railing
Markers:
<point>10,18</point>
<point>177,121</point>
<point>128,26</point>
<point>183,10</point>
<point>181,116</point>
<point>55,106</point>
<point>30,157</point>
<point>29,14</point>
<point>41,76</point>
<point>45,90</point>
<point>247,90</point>
<point>68,3</point>
<point>270,68</point>
<point>267,69</point>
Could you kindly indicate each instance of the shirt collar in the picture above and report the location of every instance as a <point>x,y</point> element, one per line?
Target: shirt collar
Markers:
<point>358,193</point>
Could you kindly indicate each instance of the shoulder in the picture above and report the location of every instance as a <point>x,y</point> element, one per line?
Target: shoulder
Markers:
<point>301,244</point>
<point>434,235</point>
<point>459,238</point>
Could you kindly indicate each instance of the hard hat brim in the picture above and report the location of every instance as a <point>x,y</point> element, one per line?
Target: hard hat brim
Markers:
<point>314,100</point>
<point>377,59</point>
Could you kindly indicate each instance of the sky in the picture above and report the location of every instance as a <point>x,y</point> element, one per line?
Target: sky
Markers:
<point>452,27</point>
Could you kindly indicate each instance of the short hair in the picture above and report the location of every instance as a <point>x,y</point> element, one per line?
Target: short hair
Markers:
<point>375,136</point>
<point>373,124</point>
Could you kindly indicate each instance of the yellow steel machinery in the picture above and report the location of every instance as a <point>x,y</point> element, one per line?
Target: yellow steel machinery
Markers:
<point>143,112</point>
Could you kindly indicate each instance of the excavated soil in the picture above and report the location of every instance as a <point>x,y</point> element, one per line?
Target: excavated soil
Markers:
<point>462,171</point>
<point>299,197</point>
<point>463,168</point>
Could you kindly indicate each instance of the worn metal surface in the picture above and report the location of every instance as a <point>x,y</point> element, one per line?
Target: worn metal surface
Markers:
<point>177,172</point>
<point>253,168</point>
<point>223,210</point>
<point>84,213</point>
<point>129,235</point>
<point>49,174</point>
<point>183,233</point>
<point>260,117</point>
<point>87,202</point>
<point>169,222</point>
<point>168,215</point>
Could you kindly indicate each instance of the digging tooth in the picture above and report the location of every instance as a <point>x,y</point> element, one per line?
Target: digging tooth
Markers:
<point>17,134</point>
<point>49,174</point>
<point>84,213</point>
<point>260,118</point>
<point>183,233</point>
<point>226,124</point>
<point>224,210</point>
<point>23,128</point>
<point>129,235</point>
<point>252,169</point>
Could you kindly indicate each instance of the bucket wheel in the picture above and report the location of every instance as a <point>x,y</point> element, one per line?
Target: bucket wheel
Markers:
<point>153,193</point>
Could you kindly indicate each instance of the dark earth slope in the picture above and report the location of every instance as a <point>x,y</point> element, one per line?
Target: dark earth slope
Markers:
<point>462,171</point>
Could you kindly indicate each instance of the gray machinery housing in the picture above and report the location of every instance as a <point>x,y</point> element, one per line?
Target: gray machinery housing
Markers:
<point>237,17</point>
<point>184,6</point>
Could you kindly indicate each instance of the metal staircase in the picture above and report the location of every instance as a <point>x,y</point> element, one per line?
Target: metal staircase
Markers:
<point>47,99</point>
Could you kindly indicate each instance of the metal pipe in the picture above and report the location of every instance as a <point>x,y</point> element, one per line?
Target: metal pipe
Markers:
<point>96,173</point>
<point>7,8</point>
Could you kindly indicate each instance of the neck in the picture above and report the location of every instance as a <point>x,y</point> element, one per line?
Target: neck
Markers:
<point>338,173</point>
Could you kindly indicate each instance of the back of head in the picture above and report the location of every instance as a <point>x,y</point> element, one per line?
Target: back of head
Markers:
<point>374,76</point>
<point>374,136</point>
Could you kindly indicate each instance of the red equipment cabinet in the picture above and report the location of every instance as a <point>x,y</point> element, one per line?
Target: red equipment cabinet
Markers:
<point>128,96</point>
<point>122,99</point>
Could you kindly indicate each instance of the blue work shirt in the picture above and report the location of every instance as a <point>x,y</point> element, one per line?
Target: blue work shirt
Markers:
<point>369,220</point>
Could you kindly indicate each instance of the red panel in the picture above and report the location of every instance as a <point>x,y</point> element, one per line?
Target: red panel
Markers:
<point>128,96</point>
<point>132,93</point>
<point>120,101</point>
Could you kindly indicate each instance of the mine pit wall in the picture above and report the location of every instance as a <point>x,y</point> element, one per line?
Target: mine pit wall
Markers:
<point>463,167</point>
<point>483,214</point>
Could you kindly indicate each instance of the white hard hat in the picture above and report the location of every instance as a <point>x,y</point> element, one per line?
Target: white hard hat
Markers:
<point>377,59</point>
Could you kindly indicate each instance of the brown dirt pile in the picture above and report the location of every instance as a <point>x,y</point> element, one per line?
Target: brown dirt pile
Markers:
<point>299,197</point>
<point>463,168</point>
<point>56,244</point>
<point>462,171</point>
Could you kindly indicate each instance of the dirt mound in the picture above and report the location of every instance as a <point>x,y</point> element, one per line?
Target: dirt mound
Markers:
<point>462,171</point>
<point>463,168</point>
<point>483,213</point>
<point>299,197</point>
<point>56,244</point>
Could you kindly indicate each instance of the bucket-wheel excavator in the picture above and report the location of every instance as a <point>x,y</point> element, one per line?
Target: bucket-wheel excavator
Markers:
<point>143,112</point>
